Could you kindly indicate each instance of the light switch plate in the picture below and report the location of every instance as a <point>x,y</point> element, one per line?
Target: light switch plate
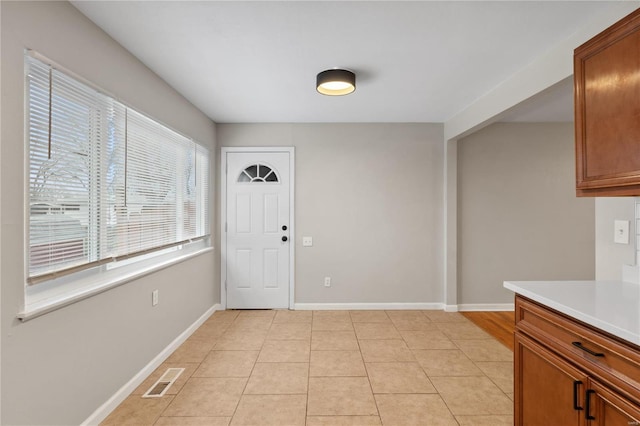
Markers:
<point>307,241</point>
<point>621,231</point>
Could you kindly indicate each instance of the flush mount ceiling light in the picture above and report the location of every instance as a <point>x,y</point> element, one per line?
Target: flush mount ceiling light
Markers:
<point>336,82</point>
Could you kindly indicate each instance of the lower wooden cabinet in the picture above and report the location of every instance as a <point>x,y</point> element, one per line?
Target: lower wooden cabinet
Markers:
<point>547,388</point>
<point>569,374</point>
<point>606,407</point>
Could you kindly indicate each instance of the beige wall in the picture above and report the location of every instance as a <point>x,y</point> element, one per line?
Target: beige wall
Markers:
<point>610,256</point>
<point>518,216</point>
<point>371,197</point>
<point>58,368</point>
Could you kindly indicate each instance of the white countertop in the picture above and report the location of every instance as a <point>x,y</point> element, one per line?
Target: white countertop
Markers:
<point>612,306</point>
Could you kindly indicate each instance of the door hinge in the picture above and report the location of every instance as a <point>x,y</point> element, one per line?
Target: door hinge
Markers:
<point>225,227</point>
<point>225,285</point>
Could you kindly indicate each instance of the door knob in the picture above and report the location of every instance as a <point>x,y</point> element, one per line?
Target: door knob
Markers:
<point>284,227</point>
<point>284,238</point>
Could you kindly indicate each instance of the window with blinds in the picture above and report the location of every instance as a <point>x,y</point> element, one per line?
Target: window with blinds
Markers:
<point>105,182</point>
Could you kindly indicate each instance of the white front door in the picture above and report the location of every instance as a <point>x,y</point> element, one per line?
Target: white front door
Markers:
<point>258,228</point>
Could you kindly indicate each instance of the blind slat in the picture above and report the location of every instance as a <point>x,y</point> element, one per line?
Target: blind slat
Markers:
<point>105,182</point>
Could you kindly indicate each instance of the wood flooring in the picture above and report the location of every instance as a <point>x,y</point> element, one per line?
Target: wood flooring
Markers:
<point>500,325</point>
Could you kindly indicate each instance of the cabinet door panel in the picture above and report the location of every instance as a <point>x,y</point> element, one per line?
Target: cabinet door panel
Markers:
<point>548,389</point>
<point>611,104</point>
<point>607,106</point>
<point>611,409</point>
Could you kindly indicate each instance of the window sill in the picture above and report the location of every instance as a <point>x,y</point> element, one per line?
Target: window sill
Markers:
<point>100,284</point>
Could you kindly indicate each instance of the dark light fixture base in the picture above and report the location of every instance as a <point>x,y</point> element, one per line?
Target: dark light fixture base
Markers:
<point>336,82</point>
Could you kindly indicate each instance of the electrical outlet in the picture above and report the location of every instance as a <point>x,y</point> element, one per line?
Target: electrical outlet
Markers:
<point>154,297</point>
<point>307,241</point>
<point>621,231</point>
<point>327,281</point>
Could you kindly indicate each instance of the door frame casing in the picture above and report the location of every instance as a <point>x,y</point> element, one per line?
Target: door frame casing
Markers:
<point>223,215</point>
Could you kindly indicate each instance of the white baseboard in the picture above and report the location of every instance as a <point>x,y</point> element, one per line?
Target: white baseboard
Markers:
<point>363,306</point>
<point>105,409</point>
<point>398,306</point>
<point>486,307</point>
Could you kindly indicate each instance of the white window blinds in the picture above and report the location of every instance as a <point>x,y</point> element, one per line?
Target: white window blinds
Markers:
<point>105,182</point>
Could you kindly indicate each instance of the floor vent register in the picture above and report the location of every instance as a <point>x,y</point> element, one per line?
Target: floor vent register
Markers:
<point>163,384</point>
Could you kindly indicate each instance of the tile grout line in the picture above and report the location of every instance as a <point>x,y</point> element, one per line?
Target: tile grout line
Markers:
<point>226,326</point>
<point>431,381</point>
<point>252,368</point>
<point>306,407</point>
<point>475,365</point>
<point>194,371</point>
<point>373,395</point>
<point>439,395</point>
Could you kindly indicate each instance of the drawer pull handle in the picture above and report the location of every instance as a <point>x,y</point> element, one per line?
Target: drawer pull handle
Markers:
<point>588,405</point>
<point>587,350</point>
<point>576,383</point>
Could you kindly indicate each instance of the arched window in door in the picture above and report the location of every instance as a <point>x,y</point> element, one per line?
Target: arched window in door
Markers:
<point>258,173</point>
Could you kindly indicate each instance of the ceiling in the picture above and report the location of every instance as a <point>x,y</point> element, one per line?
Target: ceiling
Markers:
<point>555,104</point>
<point>416,61</point>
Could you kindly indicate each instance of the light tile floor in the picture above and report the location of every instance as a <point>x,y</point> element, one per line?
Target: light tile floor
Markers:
<point>308,368</point>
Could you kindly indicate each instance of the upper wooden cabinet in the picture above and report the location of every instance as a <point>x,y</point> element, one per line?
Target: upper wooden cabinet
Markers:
<point>607,111</point>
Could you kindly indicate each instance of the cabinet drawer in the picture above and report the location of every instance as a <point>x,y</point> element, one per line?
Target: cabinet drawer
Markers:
<point>612,361</point>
